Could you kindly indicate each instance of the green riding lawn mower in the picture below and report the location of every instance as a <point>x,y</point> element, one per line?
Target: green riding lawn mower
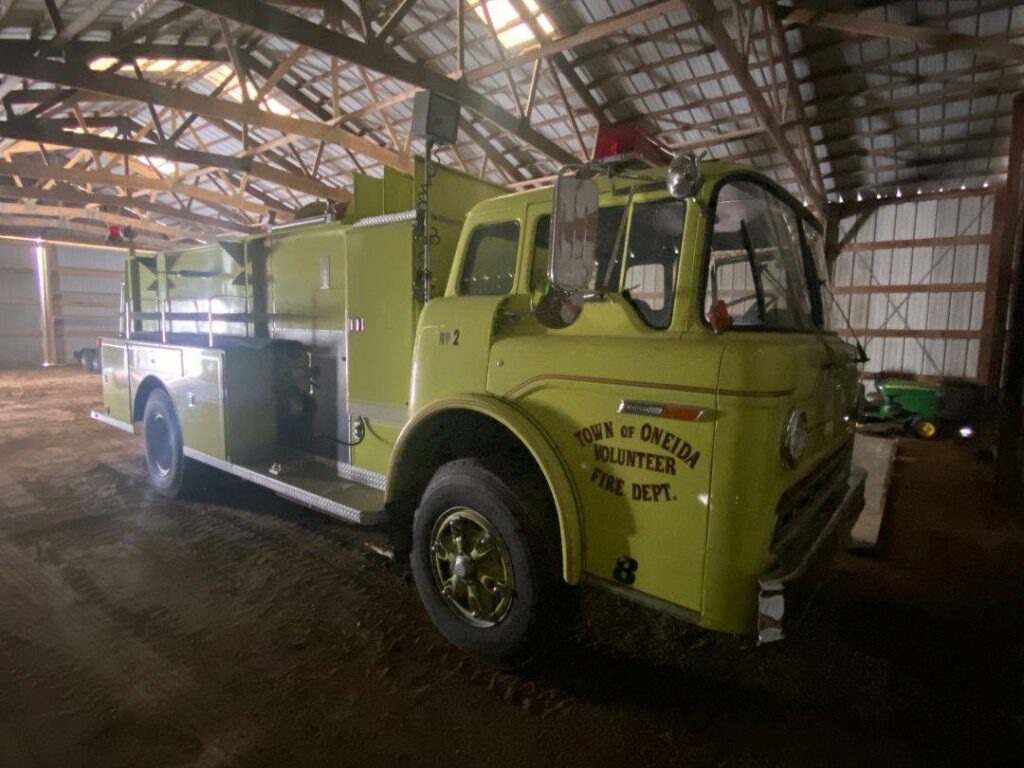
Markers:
<point>924,409</point>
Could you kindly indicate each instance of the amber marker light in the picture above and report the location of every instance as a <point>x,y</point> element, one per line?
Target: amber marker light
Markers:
<point>662,410</point>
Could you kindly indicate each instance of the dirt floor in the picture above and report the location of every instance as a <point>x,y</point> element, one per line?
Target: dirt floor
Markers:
<point>239,629</point>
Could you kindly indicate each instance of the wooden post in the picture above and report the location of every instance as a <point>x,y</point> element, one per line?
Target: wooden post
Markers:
<point>1011,222</point>
<point>997,294</point>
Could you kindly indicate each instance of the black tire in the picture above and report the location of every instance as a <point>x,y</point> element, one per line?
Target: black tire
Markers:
<point>518,508</point>
<point>85,358</point>
<point>97,361</point>
<point>925,428</point>
<point>165,457</point>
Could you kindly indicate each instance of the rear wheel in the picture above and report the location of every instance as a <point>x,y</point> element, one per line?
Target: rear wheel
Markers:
<point>486,558</point>
<point>85,358</point>
<point>97,361</point>
<point>165,457</point>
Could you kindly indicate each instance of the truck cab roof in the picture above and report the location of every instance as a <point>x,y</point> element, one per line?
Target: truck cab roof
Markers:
<point>713,171</point>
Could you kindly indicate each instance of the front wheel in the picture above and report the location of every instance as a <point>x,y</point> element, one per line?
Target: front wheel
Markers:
<point>926,429</point>
<point>165,456</point>
<point>486,559</point>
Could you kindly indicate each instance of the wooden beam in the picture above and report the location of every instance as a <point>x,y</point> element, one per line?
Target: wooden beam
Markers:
<point>395,19</point>
<point>189,101</point>
<point>81,22</point>
<point>376,57</point>
<point>921,242</point>
<point>282,69</point>
<point>62,212</point>
<point>113,48</point>
<point>795,99</point>
<point>47,135</point>
<point>66,195</point>
<point>562,65</point>
<point>53,232</point>
<point>1004,358</point>
<point>846,290</point>
<point>994,46</point>
<point>597,31</point>
<point>34,170</point>
<point>738,67</point>
<point>908,333</point>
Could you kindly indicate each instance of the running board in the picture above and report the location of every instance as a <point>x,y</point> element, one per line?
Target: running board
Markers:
<point>347,500</point>
<point>110,421</point>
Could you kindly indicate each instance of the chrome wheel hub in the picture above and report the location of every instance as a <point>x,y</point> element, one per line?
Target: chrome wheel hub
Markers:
<point>158,444</point>
<point>472,567</point>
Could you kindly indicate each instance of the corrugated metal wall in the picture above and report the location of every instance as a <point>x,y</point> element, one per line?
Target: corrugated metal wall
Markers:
<point>87,296</point>
<point>20,334</point>
<point>911,278</point>
<point>86,285</point>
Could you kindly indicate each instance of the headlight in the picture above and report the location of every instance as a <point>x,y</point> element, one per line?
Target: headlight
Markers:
<point>794,437</point>
<point>684,176</point>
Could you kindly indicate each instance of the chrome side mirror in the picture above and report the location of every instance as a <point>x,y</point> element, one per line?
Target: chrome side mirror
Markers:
<point>571,259</point>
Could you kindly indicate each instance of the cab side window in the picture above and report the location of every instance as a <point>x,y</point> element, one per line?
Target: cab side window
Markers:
<point>490,264</point>
<point>653,258</point>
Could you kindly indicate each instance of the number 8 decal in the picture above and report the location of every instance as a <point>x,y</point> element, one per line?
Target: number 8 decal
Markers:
<point>625,570</point>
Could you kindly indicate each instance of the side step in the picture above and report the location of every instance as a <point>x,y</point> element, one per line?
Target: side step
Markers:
<point>309,484</point>
<point>110,421</point>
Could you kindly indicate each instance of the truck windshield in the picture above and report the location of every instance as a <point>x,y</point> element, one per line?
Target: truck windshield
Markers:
<point>651,256</point>
<point>757,274</point>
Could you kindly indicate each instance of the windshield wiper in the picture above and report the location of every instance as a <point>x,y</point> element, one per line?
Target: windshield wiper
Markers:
<point>862,356</point>
<point>748,246</point>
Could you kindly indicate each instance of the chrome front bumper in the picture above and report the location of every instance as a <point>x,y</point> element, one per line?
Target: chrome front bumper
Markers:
<point>772,596</point>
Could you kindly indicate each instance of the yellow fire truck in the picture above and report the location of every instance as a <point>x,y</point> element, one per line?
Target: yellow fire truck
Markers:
<point>627,379</point>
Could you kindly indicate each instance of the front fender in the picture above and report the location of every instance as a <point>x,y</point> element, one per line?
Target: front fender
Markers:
<point>540,446</point>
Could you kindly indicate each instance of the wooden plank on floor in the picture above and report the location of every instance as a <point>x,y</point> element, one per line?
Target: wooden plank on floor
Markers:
<point>877,455</point>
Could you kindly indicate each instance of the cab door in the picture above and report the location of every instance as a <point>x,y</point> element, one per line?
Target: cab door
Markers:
<point>627,393</point>
<point>454,336</point>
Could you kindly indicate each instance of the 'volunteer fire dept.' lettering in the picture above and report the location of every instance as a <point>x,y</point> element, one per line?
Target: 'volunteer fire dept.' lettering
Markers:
<point>680,452</point>
<point>648,433</point>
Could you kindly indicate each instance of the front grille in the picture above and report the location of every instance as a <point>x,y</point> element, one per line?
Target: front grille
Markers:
<point>801,512</point>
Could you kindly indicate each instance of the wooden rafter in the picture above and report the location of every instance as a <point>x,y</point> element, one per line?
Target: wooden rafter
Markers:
<point>69,195</point>
<point>739,69</point>
<point>36,170</point>
<point>373,56</point>
<point>991,46</point>
<point>106,83</point>
<point>68,212</point>
<point>30,132</point>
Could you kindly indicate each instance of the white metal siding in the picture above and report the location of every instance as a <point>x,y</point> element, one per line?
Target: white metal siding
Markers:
<point>19,306</point>
<point>954,312</point>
